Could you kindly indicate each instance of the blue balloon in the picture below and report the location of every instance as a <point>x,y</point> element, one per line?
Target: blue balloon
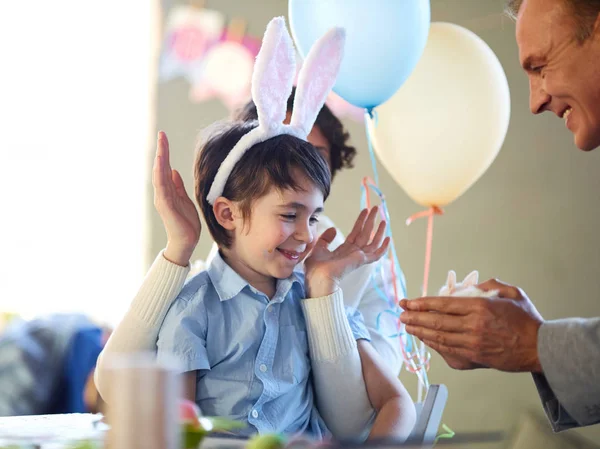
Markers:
<point>384,41</point>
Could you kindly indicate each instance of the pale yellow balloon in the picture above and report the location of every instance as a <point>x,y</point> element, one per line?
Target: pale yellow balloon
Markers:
<point>444,127</point>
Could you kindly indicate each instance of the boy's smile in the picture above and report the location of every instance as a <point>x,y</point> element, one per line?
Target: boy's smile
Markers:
<point>279,234</point>
<point>291,255</point>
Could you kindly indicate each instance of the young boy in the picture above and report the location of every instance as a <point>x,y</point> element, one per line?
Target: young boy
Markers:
<point>238,328</point>
<point>364,289</point>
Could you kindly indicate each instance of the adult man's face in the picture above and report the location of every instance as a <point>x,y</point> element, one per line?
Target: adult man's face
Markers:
<point>564,73</point>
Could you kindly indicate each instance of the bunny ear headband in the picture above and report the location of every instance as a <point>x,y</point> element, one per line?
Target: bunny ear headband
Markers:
<point>272,80</point>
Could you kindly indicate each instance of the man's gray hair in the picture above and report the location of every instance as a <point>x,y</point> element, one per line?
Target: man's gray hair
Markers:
<point>512,8</point>
<point>584,12</point>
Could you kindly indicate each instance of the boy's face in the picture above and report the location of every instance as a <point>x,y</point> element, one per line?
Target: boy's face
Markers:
<point>279,234</point>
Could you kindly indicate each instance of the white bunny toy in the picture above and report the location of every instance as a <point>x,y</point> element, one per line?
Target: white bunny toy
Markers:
<point>466,288</point>
<point>272,81</point>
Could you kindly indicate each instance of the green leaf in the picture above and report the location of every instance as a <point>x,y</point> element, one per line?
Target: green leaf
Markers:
<point>192,435</point>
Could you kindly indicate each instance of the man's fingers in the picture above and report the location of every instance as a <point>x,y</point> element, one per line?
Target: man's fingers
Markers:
<point>448,339</point>
<point>446,351</point>
<point>445,304</point>
<point>435,321</point>
<point>504,290</point>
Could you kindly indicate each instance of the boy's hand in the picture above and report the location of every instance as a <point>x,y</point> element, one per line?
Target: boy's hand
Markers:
<point>176,209</point>
<point>325,269</point>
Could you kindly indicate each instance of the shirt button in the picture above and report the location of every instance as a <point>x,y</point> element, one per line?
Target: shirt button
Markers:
<point>254,414</point>
<point>262,368</point>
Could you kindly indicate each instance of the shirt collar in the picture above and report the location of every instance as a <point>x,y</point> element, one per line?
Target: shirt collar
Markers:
<point>228,283</point>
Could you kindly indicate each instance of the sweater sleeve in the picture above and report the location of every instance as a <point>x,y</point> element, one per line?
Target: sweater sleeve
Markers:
<point>569,351</point>
<point>138,330</point>
<point>340,388</point>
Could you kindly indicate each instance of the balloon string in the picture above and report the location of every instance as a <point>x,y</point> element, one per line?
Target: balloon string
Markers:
<point>448,433</point>
<point>366,182</point>
<point>429,213</point>
<point>415,363</point>
<point>371,115</point>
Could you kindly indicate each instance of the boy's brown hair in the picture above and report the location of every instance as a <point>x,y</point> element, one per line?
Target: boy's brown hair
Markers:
<point>267,165</point>
<point>342,154</point>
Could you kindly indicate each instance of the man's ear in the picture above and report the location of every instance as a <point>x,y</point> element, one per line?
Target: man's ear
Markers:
<point>596,29</point>
<point>225,213</point>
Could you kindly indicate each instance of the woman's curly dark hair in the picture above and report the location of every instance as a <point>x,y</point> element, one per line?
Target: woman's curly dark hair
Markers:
<point>342,154</point>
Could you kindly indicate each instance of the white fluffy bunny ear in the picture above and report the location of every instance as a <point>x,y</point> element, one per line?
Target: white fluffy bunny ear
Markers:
<point>272,80</point>
<point>451,281</point>
<point>317,77</point>
<point>274,73</point>
<point>471,279</point>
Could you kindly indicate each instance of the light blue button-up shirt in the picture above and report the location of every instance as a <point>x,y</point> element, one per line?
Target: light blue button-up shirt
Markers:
<point>251,354</point>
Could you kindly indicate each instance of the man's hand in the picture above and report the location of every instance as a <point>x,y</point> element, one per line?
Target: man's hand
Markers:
<point>499,333</point>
